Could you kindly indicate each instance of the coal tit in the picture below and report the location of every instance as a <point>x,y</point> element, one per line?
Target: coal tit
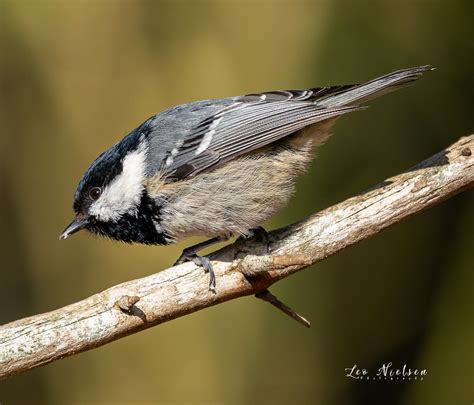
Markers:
<point>215,168</point>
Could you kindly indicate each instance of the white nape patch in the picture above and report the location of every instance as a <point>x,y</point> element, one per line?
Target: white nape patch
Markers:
<point>123,194</point>
<point>169,161</point>
<point>158,226</point>
<point>206,140</point>
<point>263,97</point>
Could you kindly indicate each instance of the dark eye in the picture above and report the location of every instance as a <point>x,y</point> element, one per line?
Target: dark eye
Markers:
<point>95,192</point>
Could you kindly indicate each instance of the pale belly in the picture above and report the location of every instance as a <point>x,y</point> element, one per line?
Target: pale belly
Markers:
<point>239,195</point>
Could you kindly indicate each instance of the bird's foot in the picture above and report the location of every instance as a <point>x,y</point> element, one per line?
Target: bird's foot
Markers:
<point>201,261</point>
<point>190,254</point>
<point>259,234</point>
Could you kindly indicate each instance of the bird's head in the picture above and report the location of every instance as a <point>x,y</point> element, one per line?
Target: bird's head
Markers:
<point>111,199</point>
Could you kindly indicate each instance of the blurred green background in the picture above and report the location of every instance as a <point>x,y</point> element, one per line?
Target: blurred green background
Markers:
<point>76,76</point>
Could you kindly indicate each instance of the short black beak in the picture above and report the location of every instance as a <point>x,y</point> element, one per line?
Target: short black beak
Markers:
<point>80,222</point>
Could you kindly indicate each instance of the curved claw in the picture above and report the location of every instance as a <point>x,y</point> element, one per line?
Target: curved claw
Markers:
<point>201,261</point>
<point>204,261</point>
<point>190,254</point>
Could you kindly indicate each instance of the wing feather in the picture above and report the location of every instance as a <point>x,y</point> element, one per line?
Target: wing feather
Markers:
<point>256,120</point>
<point>243,130</point>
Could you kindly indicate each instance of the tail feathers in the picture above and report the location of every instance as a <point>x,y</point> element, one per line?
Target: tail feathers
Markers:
<point>375,88</point>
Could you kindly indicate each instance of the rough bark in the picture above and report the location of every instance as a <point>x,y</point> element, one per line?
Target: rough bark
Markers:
<point>244,268</point>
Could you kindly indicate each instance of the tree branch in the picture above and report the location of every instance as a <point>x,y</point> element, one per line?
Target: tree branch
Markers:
<point>243,268</point>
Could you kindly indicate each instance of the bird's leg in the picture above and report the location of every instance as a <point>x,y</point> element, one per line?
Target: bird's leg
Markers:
<point>191,251</point>
<point>190,254</point>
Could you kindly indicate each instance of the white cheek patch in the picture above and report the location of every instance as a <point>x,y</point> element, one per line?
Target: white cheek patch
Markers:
<point>123,194</point>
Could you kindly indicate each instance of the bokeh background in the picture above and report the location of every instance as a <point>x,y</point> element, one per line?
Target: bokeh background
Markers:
<point>78,75</point>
